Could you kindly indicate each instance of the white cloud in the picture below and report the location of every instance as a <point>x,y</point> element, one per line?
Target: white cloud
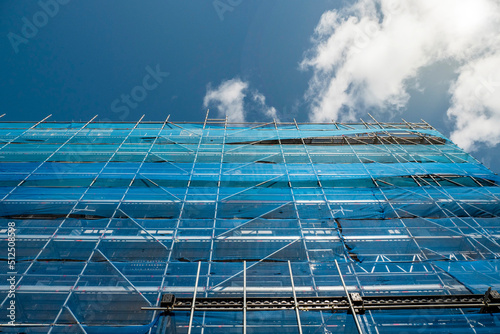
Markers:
<point>230,98</point>
<point>261,102</point>
<point>475,103</point>
<point>365,55</point>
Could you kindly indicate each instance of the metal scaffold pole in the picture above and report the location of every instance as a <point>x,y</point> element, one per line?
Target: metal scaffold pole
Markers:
<point>244,297</point>
<point>351,306</point>
<point>296,304</point>
<point>194,298</point>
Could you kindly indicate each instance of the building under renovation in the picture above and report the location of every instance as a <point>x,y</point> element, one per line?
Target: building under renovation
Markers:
<point>217,227</point>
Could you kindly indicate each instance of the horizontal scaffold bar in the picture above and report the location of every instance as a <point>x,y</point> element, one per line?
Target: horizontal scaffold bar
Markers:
<point>487,303</point>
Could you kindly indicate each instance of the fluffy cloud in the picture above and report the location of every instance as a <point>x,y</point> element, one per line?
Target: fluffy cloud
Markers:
<point>261,102</point>
<point>475,103</point>
<point>234,99</point>
<point>228,99</point>
<point>365,55</point>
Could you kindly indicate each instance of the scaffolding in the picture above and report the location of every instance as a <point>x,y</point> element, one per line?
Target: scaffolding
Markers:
<point>209,227</point>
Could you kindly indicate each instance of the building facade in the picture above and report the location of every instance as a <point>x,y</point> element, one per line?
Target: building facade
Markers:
<point>101,221</point>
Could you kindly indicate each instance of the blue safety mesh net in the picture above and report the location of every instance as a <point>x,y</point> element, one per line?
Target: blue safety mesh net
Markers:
<point>111,216</point>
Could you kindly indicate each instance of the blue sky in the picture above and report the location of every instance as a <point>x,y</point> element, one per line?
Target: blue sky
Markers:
<point>176,57</point>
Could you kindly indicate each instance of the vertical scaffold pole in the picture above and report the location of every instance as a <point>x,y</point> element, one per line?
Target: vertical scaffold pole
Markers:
<point>295,298</point>
<point>358,326</point>
<point>194,298</point>
<point>244,297</point>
